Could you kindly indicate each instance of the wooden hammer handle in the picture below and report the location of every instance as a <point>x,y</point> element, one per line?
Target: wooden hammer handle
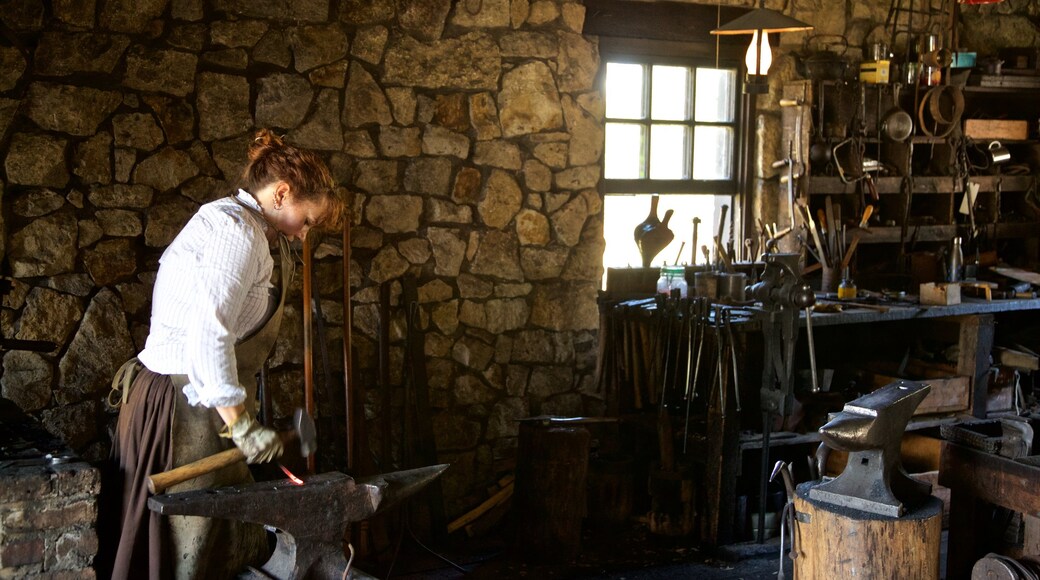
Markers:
<point>160,481</point>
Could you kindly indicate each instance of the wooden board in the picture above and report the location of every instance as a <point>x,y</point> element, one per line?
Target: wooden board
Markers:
<point>1017,274</point>
<point>843,543</point>
<point>995,129</point>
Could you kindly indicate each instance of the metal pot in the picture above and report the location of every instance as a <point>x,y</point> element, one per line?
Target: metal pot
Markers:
<point>823,57</point>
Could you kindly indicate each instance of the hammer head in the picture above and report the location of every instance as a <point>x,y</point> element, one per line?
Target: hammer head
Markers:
<point>303,424</point>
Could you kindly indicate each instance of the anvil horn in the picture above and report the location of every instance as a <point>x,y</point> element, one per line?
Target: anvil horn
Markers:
<point>399,485</point>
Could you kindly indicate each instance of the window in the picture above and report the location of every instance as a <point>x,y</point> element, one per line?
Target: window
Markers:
<point>671,128</point>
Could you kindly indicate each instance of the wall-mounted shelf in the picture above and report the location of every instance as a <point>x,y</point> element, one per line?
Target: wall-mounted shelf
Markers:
<point>827,185</point>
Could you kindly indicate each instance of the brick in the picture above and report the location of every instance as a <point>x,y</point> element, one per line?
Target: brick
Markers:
<point>55,514</point>
<point>25,483</point>
<point>76,479</point>
<point>21,550</point>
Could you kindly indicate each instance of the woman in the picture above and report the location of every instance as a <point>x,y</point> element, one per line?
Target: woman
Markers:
<point>215,315</point>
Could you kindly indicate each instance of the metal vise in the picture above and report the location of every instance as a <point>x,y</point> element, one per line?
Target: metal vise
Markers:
<point>870,429</point>
<point>311,518</point>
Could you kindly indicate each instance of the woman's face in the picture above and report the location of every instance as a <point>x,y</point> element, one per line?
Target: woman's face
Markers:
<point>294,218</point>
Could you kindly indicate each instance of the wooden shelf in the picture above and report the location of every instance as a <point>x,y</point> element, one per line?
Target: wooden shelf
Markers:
<point>825,185</point>
<point>943,233</point>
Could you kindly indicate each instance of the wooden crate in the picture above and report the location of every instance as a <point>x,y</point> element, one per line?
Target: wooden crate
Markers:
<point>995,129</point>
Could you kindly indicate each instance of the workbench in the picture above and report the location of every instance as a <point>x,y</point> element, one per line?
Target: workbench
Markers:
<point>721,440</point>
<point>978,481</point>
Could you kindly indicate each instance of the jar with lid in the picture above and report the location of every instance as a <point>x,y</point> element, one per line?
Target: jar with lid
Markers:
<point>846,288</point>
<point>672,277</point>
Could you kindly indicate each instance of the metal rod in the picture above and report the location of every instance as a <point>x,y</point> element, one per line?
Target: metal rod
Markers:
<point>812,349</point>
<point>308,342</point>
<point>348,391</point>
<point>733,353</point>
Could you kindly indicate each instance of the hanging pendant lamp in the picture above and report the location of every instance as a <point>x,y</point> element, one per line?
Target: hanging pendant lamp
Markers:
<point>759,23</point>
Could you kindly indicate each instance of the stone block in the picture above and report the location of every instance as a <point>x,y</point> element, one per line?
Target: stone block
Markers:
<point>21,550</point>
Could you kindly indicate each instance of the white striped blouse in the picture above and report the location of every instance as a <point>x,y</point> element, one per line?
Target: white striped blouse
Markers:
<point>212,288</point>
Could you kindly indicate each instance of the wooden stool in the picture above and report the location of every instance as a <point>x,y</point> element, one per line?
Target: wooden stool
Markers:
<point>836,542</point>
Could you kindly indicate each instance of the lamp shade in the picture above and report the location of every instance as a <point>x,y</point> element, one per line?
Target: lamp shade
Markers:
<point>761,64</point>
<point>762,19</point>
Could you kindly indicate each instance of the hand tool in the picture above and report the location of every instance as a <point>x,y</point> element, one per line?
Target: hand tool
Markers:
<point>303,431</point>
<point>832,232</point>
<point>733,353</point>
<point>693,248</point>
<point>748,252</point>
<point>310,518</point>
<point>688,312</point>
<point>722,254</point>
<point>719,356</point>
<point>821,255</point>
<point>722,225</point>
<point>707,255</point>
<point>691,387</point>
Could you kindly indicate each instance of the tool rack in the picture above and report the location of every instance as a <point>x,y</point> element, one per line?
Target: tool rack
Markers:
<point>916,187</point>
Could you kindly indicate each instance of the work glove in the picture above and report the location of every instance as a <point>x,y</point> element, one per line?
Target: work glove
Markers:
<point>258,443</point>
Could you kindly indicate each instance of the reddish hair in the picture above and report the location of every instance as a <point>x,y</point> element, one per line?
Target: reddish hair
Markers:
<point>271,159</point>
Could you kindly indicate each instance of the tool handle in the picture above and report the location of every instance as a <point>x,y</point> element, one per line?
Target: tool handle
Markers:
<point>160,481</point>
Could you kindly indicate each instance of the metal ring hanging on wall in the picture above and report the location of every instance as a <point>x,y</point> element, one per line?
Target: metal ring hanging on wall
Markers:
<point>933,100</point>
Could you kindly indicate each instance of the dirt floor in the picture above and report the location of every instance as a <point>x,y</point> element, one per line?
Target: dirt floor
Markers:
<point>629,554</point>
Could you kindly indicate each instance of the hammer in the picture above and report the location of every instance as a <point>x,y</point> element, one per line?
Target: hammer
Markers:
<point>303,429</point>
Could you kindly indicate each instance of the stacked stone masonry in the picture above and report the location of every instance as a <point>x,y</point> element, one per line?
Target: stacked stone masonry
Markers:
<point>468,133</point>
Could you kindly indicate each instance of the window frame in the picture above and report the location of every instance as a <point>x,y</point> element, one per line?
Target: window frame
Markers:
<point>667,54</point>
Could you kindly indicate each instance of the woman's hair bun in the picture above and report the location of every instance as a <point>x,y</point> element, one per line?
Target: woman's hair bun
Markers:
<point>264,141</point>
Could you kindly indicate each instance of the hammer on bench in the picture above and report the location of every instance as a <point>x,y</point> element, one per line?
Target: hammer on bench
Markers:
<point>303,430</point>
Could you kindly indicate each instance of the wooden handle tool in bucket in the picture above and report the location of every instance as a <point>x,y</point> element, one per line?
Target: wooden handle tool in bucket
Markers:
<point>303,430</point>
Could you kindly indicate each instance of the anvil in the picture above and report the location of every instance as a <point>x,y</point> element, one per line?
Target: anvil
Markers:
<point>311,518</point>
<point>870,429</point>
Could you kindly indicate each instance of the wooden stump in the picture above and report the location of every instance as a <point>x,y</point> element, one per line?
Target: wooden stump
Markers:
<point>835,542</point>
<point>552,465</point>
<point>611,490</point>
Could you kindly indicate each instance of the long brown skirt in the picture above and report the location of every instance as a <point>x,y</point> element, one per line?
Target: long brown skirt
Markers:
<point>157,430</point>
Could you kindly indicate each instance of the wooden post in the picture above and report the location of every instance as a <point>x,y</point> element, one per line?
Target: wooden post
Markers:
<point>834,542</point>
<point>552,464</point>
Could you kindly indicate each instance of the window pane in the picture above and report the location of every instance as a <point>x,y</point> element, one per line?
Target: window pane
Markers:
<point>625,91</point>
<point>712,153</point>
<point>669,146</point>
<point>622,213</point>
<point>715,95</point>
<point>624,153</point>
<point>670,93</point>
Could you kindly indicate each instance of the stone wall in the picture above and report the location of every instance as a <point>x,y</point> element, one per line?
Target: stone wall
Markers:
<point>469,132</point>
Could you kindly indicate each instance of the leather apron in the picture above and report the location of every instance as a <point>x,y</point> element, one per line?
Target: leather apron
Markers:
<point>209,547</point>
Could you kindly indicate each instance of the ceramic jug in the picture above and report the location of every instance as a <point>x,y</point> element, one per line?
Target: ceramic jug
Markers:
<point>653,234</point>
